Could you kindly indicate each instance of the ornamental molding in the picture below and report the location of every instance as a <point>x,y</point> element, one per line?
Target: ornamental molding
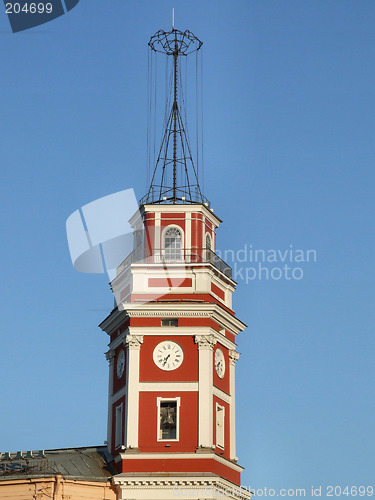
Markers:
<point>233,357</point>
<point>223,488</point>
<point>204,310</point>
<point>161,483</point>
<point>120,340</point>
<point>169,313</point>
<point>113,321</point>
<point>180,309</point>
<point>134,341</point>
<point>205,341</point>
<point>110,355</point>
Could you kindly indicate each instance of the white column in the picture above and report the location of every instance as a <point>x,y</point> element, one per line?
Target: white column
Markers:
<point>133,344</point>
<point>157,235</point>
<point>205,390</point>
<point>110,356</point>
<point>188,231</point>
<point>233,357</point>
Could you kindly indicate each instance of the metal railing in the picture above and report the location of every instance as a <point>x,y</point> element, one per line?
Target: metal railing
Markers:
<point>180,195</point>
<point>175,256</point>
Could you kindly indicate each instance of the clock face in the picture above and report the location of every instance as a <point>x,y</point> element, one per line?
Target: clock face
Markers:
<point>120,363</point>
<point>219,363</point>
<point>168,355</point>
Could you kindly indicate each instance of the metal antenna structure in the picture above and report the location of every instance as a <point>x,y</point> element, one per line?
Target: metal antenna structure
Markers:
<point>175,177</point>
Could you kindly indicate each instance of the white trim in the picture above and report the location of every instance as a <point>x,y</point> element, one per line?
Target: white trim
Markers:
<point>188,230</point>
<point>119,424</point>
<point>159,400</point>
<point>164,209</point>
<point>183,243</point>
<point>222,395</point>
<point>203,231</point>
<point>214,311</point>
<point>193,486</point>
<point>111,359</point>
<point>233,356</point>
<point>168,386</point>
<point>157,238</point>
<point>205,240</point>
<point>219,423</point>
<point>132,401</point>
<point>205,395</point>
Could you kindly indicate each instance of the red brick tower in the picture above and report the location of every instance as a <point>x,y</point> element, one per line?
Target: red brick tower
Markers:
<point>172,350</point>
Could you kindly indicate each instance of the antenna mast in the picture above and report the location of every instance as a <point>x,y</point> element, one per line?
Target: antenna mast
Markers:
<point>167,184</point>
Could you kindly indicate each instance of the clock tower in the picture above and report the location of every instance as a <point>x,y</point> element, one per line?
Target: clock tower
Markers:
<point>172,350</point>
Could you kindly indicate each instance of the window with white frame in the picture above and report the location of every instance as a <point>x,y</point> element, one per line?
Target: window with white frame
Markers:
<point>173,243</point>
<point>138,238</point>
<point>208,241</point>
<point>118,426</point>
<point>220,413</point>
<point>168,419</point>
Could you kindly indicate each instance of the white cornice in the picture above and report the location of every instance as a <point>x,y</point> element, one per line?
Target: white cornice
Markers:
<point>177,208</point>
<point>160,309</point>
<point>113,320</point>
<point>190,482</point>
<point>179,309</point>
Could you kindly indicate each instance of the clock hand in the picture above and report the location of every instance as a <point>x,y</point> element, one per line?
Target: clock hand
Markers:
<point>166,359</point>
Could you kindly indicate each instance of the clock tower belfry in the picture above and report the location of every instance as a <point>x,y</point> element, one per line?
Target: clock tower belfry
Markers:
<point>172,351</point>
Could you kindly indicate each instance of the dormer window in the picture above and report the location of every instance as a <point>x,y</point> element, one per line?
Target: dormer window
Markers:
<point>173,243</point>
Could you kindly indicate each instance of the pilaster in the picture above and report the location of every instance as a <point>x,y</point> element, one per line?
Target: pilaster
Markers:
<point>133,346</point>
<point>233,357</point>
<point>205,389</point>
<point>110,356</point>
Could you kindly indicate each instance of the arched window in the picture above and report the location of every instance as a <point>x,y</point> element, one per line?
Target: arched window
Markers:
<point>173,243</point>
<point>208,241</point>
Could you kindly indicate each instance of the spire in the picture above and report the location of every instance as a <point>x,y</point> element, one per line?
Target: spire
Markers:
<point>175,177</point>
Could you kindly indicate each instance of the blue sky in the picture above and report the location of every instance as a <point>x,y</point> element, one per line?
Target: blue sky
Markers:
<point>289,152</point>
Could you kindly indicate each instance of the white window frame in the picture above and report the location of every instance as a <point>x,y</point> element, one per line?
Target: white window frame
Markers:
<point>119,423</point>
<point>138,235</point>
<point>167,400</point>
<point>205,241</point>
<point>220,410</point>
<point>172,226</point>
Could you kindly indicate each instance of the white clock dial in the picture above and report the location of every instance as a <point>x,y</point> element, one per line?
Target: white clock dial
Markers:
<point>168,355</point>
<point>120,363</point>
<point>219,363</point>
